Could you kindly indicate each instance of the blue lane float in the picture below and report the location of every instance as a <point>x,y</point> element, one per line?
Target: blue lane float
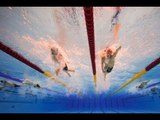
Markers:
<point>11,78</point>
<point>154,84</point>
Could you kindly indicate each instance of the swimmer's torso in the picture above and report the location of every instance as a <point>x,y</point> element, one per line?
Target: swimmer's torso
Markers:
<point>59,59</point>
<point>109,62</point>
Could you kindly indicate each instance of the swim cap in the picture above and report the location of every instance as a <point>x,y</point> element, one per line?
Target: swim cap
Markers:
<point>109,51</point>
<point>54,50</point>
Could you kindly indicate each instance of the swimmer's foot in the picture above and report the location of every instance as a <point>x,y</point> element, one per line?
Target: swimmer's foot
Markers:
<point>57,72</point>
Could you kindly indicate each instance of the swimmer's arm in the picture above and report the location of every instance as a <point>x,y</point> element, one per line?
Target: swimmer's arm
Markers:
<point>116,51</point>
<point>102,62</point>
<point>1,87</point>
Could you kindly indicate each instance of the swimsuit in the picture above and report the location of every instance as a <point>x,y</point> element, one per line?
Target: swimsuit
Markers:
<point>65,68</point>
<point>108,69</point>
<point>108,65</point>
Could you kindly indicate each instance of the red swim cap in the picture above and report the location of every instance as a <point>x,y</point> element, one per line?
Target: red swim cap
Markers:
<point>109,51</point>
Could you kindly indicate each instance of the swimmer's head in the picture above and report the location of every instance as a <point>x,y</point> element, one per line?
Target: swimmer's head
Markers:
<point>109,52</point>
<point>2,81</point>
<point>37,86</point>
<point>54,51</point>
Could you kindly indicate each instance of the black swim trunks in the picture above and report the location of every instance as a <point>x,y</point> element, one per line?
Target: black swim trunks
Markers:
<point>65,68</point>
<point>108,69</point>
<point>16,85</point>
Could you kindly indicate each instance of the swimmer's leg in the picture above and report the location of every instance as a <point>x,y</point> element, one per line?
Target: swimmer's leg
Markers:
<point>57,71</point>
<point>105,76</point>
<point>15,85</point>
<point>67,73</point>
<point>71,70</point>
<point>1,87</point>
